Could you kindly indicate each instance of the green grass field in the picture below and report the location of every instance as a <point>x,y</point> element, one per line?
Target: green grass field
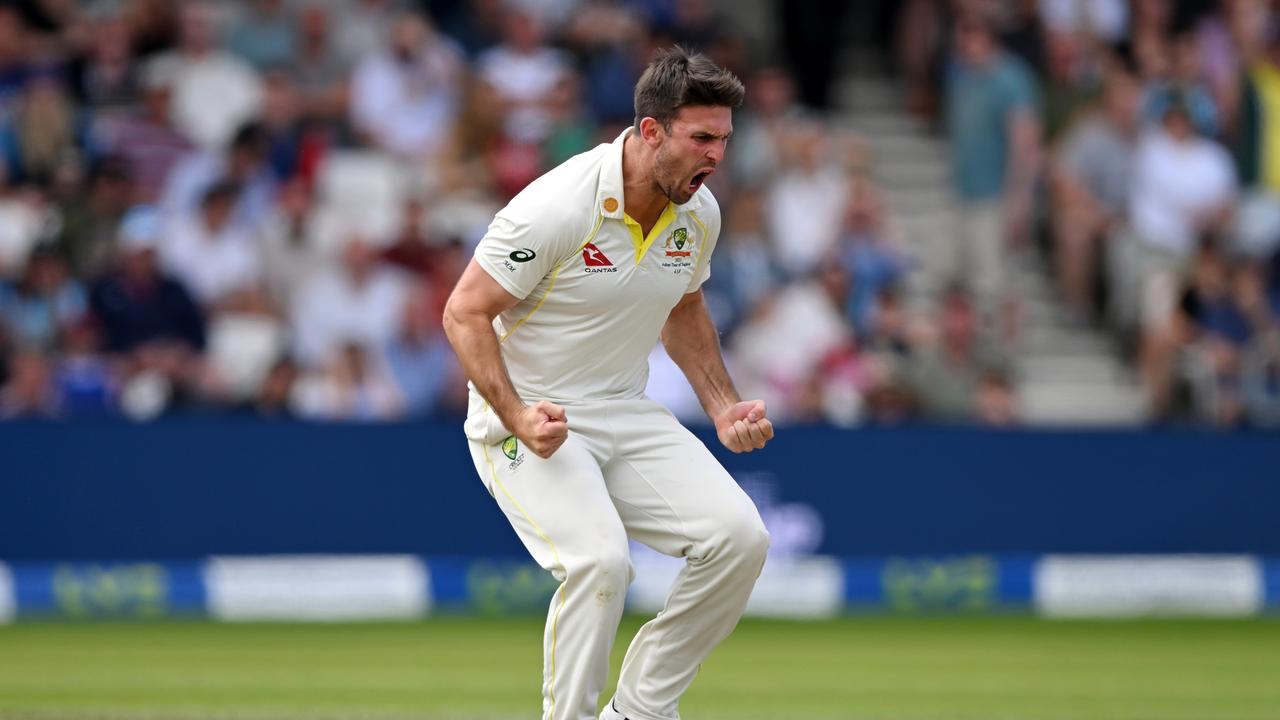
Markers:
<point>472,669</point>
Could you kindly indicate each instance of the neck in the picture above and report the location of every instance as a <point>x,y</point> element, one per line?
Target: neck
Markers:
<point>643,199</point>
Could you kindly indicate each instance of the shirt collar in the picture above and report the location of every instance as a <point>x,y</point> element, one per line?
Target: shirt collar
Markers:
<point>609,195</point>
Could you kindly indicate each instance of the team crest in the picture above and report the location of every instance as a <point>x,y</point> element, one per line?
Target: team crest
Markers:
<point>680,238</point>
<point>510,447</point>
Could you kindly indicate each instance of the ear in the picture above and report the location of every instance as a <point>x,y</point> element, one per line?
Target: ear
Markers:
<point>651,131</point>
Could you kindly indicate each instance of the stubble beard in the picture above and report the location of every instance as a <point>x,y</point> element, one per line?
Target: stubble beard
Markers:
<point>666,178</point>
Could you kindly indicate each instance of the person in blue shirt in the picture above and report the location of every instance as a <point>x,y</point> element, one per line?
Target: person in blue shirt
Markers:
<point>994,133</point>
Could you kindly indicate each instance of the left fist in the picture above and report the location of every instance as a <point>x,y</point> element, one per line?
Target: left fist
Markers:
<point>743,427</point>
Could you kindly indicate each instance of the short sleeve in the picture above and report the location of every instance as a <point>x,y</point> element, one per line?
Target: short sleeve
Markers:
<point>710,225</point>
<point>519,249</point>
<point>1080,149</point>
<point>1019,87</point>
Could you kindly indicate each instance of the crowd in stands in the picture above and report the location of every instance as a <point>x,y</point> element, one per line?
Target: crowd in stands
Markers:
<point>259,207</point>
<point>1138,143</point>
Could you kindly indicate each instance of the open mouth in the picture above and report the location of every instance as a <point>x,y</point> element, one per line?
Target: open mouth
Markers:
<point>700,178</point>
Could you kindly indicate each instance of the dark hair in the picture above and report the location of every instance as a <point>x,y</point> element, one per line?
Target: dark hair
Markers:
<point>678,77</point>
<point>221,191</point>
<point>251,136</point>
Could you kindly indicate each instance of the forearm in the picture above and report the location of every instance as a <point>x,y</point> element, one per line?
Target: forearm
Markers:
<point>476,345</point>
<point>693,344</point>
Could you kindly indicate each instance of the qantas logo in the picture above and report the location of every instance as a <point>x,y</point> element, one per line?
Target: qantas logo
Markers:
<point>595,260</point>
<point>593,257</point>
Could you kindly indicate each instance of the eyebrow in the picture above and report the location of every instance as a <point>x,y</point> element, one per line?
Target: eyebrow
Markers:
<point>709,134</point>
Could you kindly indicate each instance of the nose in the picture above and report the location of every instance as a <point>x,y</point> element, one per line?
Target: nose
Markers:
<point>715,150</point>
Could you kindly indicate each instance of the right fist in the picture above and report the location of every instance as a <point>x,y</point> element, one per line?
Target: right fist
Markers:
<point>542,427</point>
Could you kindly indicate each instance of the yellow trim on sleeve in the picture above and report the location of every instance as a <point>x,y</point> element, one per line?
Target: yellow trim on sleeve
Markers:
<point>641,243</point>
<point>555,556</point>
<point>706,237</point>
<point>554,274</point>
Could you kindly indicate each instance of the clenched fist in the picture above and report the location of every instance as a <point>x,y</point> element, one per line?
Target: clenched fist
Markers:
<point>542,427</point>
<point>743,427</point>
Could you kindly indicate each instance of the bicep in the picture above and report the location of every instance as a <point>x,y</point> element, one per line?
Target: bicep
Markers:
<point>689,307</point>
<point>688,301</point>
<point>478,293</point>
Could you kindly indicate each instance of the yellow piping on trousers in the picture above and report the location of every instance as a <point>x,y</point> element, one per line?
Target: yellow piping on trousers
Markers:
<point>555,556</point>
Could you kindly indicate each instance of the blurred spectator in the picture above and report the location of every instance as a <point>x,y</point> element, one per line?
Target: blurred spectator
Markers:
<point>28,393</point>
<point>359,302</point>
<point>43,303</point>
<point>364,118</point>
<point>420,360</point>
<point>870,251</point>
<point>84,383</point>
<point>779,349</point>
<point>209,254</point>
<point>153,24</point>
<point>468,166</point>
<point>365,24</point>
<point>473,24</point>
<point>609,38</point>
<point>214,92</point>
<point>146,139</point>
<point>266,34</point>
<point>1260,383</point>
<point>1223,311</point>
<point>1105,20</point>
<point>1071,81</point>
<point>806,200</point>
<point>137,304</point>
<point>994,133</point>
<point>810,32</point>
<point>87,220</point>
<point>888,331</point>
<point>1090,182</point>
<point>283,129</point>
<point>525,72</point>
<point>995,402</point>
<point>953,372</point>
<point>413,249</point>
<point>275,398</point>
<point>21,220</point>
<point>244,165</point>
<point>1180,81</point>
<point>1229,38</point>
<point>353,386</point>
<point>13,58</point>
<point>572,130</point>
<point>1258,225</point>
<point>405,97</point>
<point>44,131</point>
<point>761,128</point>
<point>1025,36</point>
<point>1183,187</point>
<point>918,42</point>
<point>107,76</point>
<point>289,254</point>
<point>317,70</point>
<point>745,272</point>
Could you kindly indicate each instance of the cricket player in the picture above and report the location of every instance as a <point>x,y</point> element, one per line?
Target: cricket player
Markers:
<point>553,320</point>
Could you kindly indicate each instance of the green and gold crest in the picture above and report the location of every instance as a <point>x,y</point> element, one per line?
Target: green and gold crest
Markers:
<point>681,236</point>
<point>510,447</point>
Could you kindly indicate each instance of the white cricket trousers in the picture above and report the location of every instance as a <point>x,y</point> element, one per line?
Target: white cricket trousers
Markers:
<point>627,470</point>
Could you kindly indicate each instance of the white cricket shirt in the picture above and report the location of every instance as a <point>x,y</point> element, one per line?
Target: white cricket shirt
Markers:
<point>595,292</point>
